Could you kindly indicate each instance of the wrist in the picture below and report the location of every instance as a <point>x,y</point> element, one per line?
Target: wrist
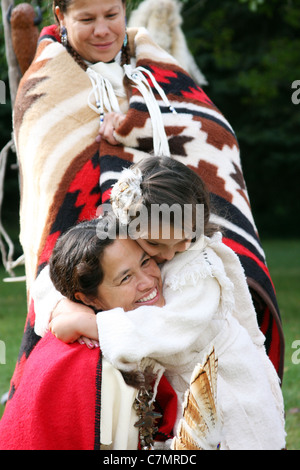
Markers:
<point>86,324</point>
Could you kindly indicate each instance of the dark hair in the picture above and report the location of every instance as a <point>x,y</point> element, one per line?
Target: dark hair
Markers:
<point>168,181</point>
<point>75,263</point>
<point>63,6</point>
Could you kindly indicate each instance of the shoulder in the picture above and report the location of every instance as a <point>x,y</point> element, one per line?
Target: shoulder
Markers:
<point>51,33</point>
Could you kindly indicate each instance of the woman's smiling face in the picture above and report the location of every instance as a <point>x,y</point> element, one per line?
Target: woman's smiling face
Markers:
<point>131,278</point>
<point>96,28</point>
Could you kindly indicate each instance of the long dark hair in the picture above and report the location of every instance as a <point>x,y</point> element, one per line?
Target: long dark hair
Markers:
<point>168,181</point>
<point>75,263</point>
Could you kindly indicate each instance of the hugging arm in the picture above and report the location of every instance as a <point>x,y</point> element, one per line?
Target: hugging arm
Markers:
<point>60,315</point>
<point>158,332</point>
<point>76,326</point>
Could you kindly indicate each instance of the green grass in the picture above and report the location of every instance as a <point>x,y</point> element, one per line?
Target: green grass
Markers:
<point>284,264</point>
<point>283,258</point>
<point>12,320</point>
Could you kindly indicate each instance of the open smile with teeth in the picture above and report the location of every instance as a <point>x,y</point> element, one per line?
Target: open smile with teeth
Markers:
<point>151,296</point>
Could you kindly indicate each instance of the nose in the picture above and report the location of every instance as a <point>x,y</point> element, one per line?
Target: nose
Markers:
<point>183,246</point>
<point>145,282</point>
<point>167,253</point>
<point>100,28</point>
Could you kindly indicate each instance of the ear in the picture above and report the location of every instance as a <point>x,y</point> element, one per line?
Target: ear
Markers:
<point>59,14</point>
<point>82,298</point>
<point>96,303</point>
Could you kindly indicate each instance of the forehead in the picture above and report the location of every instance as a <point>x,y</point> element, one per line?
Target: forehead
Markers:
<point>87,5</point>
<point>165,234</point>
<point>120,255</point>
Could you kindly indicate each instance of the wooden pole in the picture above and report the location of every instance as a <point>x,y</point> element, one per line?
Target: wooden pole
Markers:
<point>14,77</point>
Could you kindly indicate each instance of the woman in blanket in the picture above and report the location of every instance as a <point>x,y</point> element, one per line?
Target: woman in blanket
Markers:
<point>75,82</point>
<point>76,78</point>
<point>207,304</point>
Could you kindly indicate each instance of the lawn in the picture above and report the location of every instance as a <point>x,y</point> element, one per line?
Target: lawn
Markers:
<point>284,263</point>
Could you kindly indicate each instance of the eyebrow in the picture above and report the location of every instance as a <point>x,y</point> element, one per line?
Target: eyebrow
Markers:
<point>86,13</point>
<point>126,271</point>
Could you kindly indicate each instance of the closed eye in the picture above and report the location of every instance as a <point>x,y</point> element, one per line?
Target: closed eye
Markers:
<point>146,261</point>
<point>152,243</point>
<point>86,20</point>
<point>125,279</point>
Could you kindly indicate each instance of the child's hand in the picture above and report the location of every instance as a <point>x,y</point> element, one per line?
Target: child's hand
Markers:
<point>80,325</point>
<point>111,122</point>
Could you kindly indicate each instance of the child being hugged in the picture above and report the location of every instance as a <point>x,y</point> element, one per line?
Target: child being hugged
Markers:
<point>206,304</point>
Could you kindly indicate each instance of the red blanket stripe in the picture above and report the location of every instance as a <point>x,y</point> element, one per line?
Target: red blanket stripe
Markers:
<point>241,250</point>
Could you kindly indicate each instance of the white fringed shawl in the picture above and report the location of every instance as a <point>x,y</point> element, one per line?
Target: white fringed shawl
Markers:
<point>201,306</point>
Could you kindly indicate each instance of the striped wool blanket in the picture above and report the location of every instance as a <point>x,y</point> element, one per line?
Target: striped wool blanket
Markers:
<point>61,164</point>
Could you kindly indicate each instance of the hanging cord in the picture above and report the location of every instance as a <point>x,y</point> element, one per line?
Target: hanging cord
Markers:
<point>102,98</point>
<point>160,140</point>
<point>103,93</point>
<point>7,253</point>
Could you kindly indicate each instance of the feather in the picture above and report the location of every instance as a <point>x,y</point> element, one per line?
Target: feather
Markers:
<point>184,440</point>
<point>200,427</point>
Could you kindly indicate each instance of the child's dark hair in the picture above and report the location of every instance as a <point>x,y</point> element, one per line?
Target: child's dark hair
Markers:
<point>75,261</point>
<point>167,181</point>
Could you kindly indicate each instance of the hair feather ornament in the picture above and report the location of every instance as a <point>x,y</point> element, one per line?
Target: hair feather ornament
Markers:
<point>127,194</point>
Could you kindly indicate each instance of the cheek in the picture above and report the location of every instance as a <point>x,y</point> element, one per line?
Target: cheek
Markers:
<point>154,270</point>
<point>119,29</point>
<point>153,251</point>
<point>81,35</point>
<point>75,39</point>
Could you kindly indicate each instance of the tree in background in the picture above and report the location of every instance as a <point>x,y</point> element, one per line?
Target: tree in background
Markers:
<point>251,59</point>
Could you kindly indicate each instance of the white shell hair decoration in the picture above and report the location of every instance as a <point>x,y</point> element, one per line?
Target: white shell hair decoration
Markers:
<point>126,193</point>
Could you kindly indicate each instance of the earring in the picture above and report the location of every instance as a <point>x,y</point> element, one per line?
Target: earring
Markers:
<point>64,36</point>
<point>125,42</point>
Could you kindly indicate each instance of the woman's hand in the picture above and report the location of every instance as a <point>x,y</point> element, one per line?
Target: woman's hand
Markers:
<point>111,122</point>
